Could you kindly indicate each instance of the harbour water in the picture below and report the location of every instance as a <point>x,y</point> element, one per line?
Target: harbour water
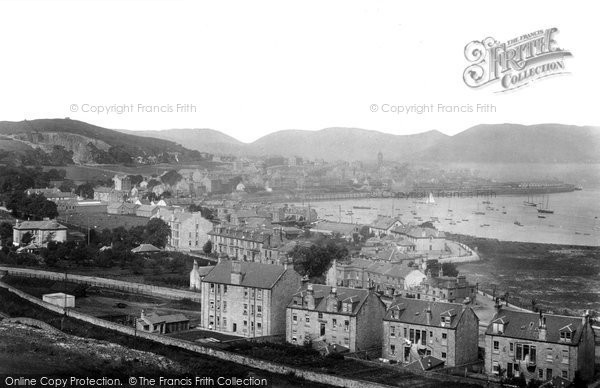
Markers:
<point>561,280</point>
<point>576,217</point>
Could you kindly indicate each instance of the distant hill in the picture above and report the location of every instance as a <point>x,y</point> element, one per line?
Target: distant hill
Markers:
<point>487,143</point>
<point>514,143</point>
<point>344,144</point>
<point>203,140</point>
<point>86,142</point>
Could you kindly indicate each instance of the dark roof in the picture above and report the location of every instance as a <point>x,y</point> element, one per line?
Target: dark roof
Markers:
<point>344,294</point>
<point>525,325</point>
<point>241,233</point>
<point>42,225</point>
<point>418,231</point>
<point>425,363</point>
<point>255,275</point>
<point>342,228</point>
<point>414,311</point>
<point>384,222</point>
<point>155,318</point>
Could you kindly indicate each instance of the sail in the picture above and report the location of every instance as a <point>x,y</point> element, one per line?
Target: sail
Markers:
<point>430,199</point>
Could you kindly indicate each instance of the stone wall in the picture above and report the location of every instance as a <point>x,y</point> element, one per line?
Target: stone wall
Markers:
<point>272,367</point>
<point>138,288</point>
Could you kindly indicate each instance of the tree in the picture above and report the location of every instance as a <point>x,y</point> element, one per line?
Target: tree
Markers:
<point>171,177</point>
<point>85,190</point>
<point>449,269</point>
<point>207,248</point>
<point>67,186</point>
<point>315,260</point>
<point>157,233</point>
<point>26,238</point>
<point>6,233</point>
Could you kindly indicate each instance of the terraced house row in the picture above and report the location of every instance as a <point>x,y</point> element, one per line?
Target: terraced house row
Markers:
<point>252,299</point>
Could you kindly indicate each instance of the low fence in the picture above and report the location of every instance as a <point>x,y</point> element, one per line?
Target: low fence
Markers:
<point>138,288</point>
<point>268,366</point>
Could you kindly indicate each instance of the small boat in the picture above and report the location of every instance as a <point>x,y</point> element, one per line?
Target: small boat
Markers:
<point>518,223</point>
<point>361,207</point>
<point>479,213</point>
<point>541,216</point>
<point>545,210</point>
<point>578,188</point>
<point>484,225</point>
<point>486,202</point>
<point>503,212</point>
<point>465,219</point>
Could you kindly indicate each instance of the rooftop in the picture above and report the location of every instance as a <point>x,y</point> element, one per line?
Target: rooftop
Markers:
<point>256,275</point>
<point>414,311</point>
<point>525,325</point>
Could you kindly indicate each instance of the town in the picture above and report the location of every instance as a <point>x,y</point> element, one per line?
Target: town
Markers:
<point>254,268</point>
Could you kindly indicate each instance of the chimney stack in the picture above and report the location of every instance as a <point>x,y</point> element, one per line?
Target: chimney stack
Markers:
<point>428,313</point>
<point>236,272</point>
<point>542,327</point>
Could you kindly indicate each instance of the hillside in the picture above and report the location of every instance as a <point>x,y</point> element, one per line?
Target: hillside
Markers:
<point>344,144</point>
<point>514,143</point>
<point>84,143</point>
<point>203,140</point>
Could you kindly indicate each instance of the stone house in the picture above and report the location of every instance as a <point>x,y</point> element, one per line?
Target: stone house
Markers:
<point>414,329</point>
<point>162,324</point>
<point>346,318</point>
<point>539,346</point>
<point>189,231</point>
<point>247,299</point>
<point>41,231</point>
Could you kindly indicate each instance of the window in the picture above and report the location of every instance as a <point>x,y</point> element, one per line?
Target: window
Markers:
<point>496,346</point>
<point>405,333</point>
<point>565,356</point>
<point>259,325</point>
<point>549,357</point>
<point>540,374</point>
<point>444,355</point>
<point>245,323</point>
<point>346,341</point>
<point>245,292</point>
<point>346,325</point>
<point>259,311</point>
<point>392,331</point>
<point>224,323</point>
<point>225,289</point>
<point>294,319</point>
<point>212,288</point>
<point>307,320</point>
<point>565,336</point>
<point>525,351</point>
<point>212,304</point>
<point>224,306</point>
<point>245,309</point>
<point>565,374</point>
<point>392,349</point>
<point>411,338</point>
<point>258,294</point>
<point>511,347</point>
<point>334,323</point>
<point>320,315</point>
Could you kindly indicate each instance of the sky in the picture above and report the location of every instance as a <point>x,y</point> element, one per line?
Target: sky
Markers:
<point>252,68</point>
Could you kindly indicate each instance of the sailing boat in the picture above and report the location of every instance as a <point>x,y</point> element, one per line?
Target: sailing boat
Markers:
<point>430,200</point>
<point>529,202</point>
<point>546,210</point>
